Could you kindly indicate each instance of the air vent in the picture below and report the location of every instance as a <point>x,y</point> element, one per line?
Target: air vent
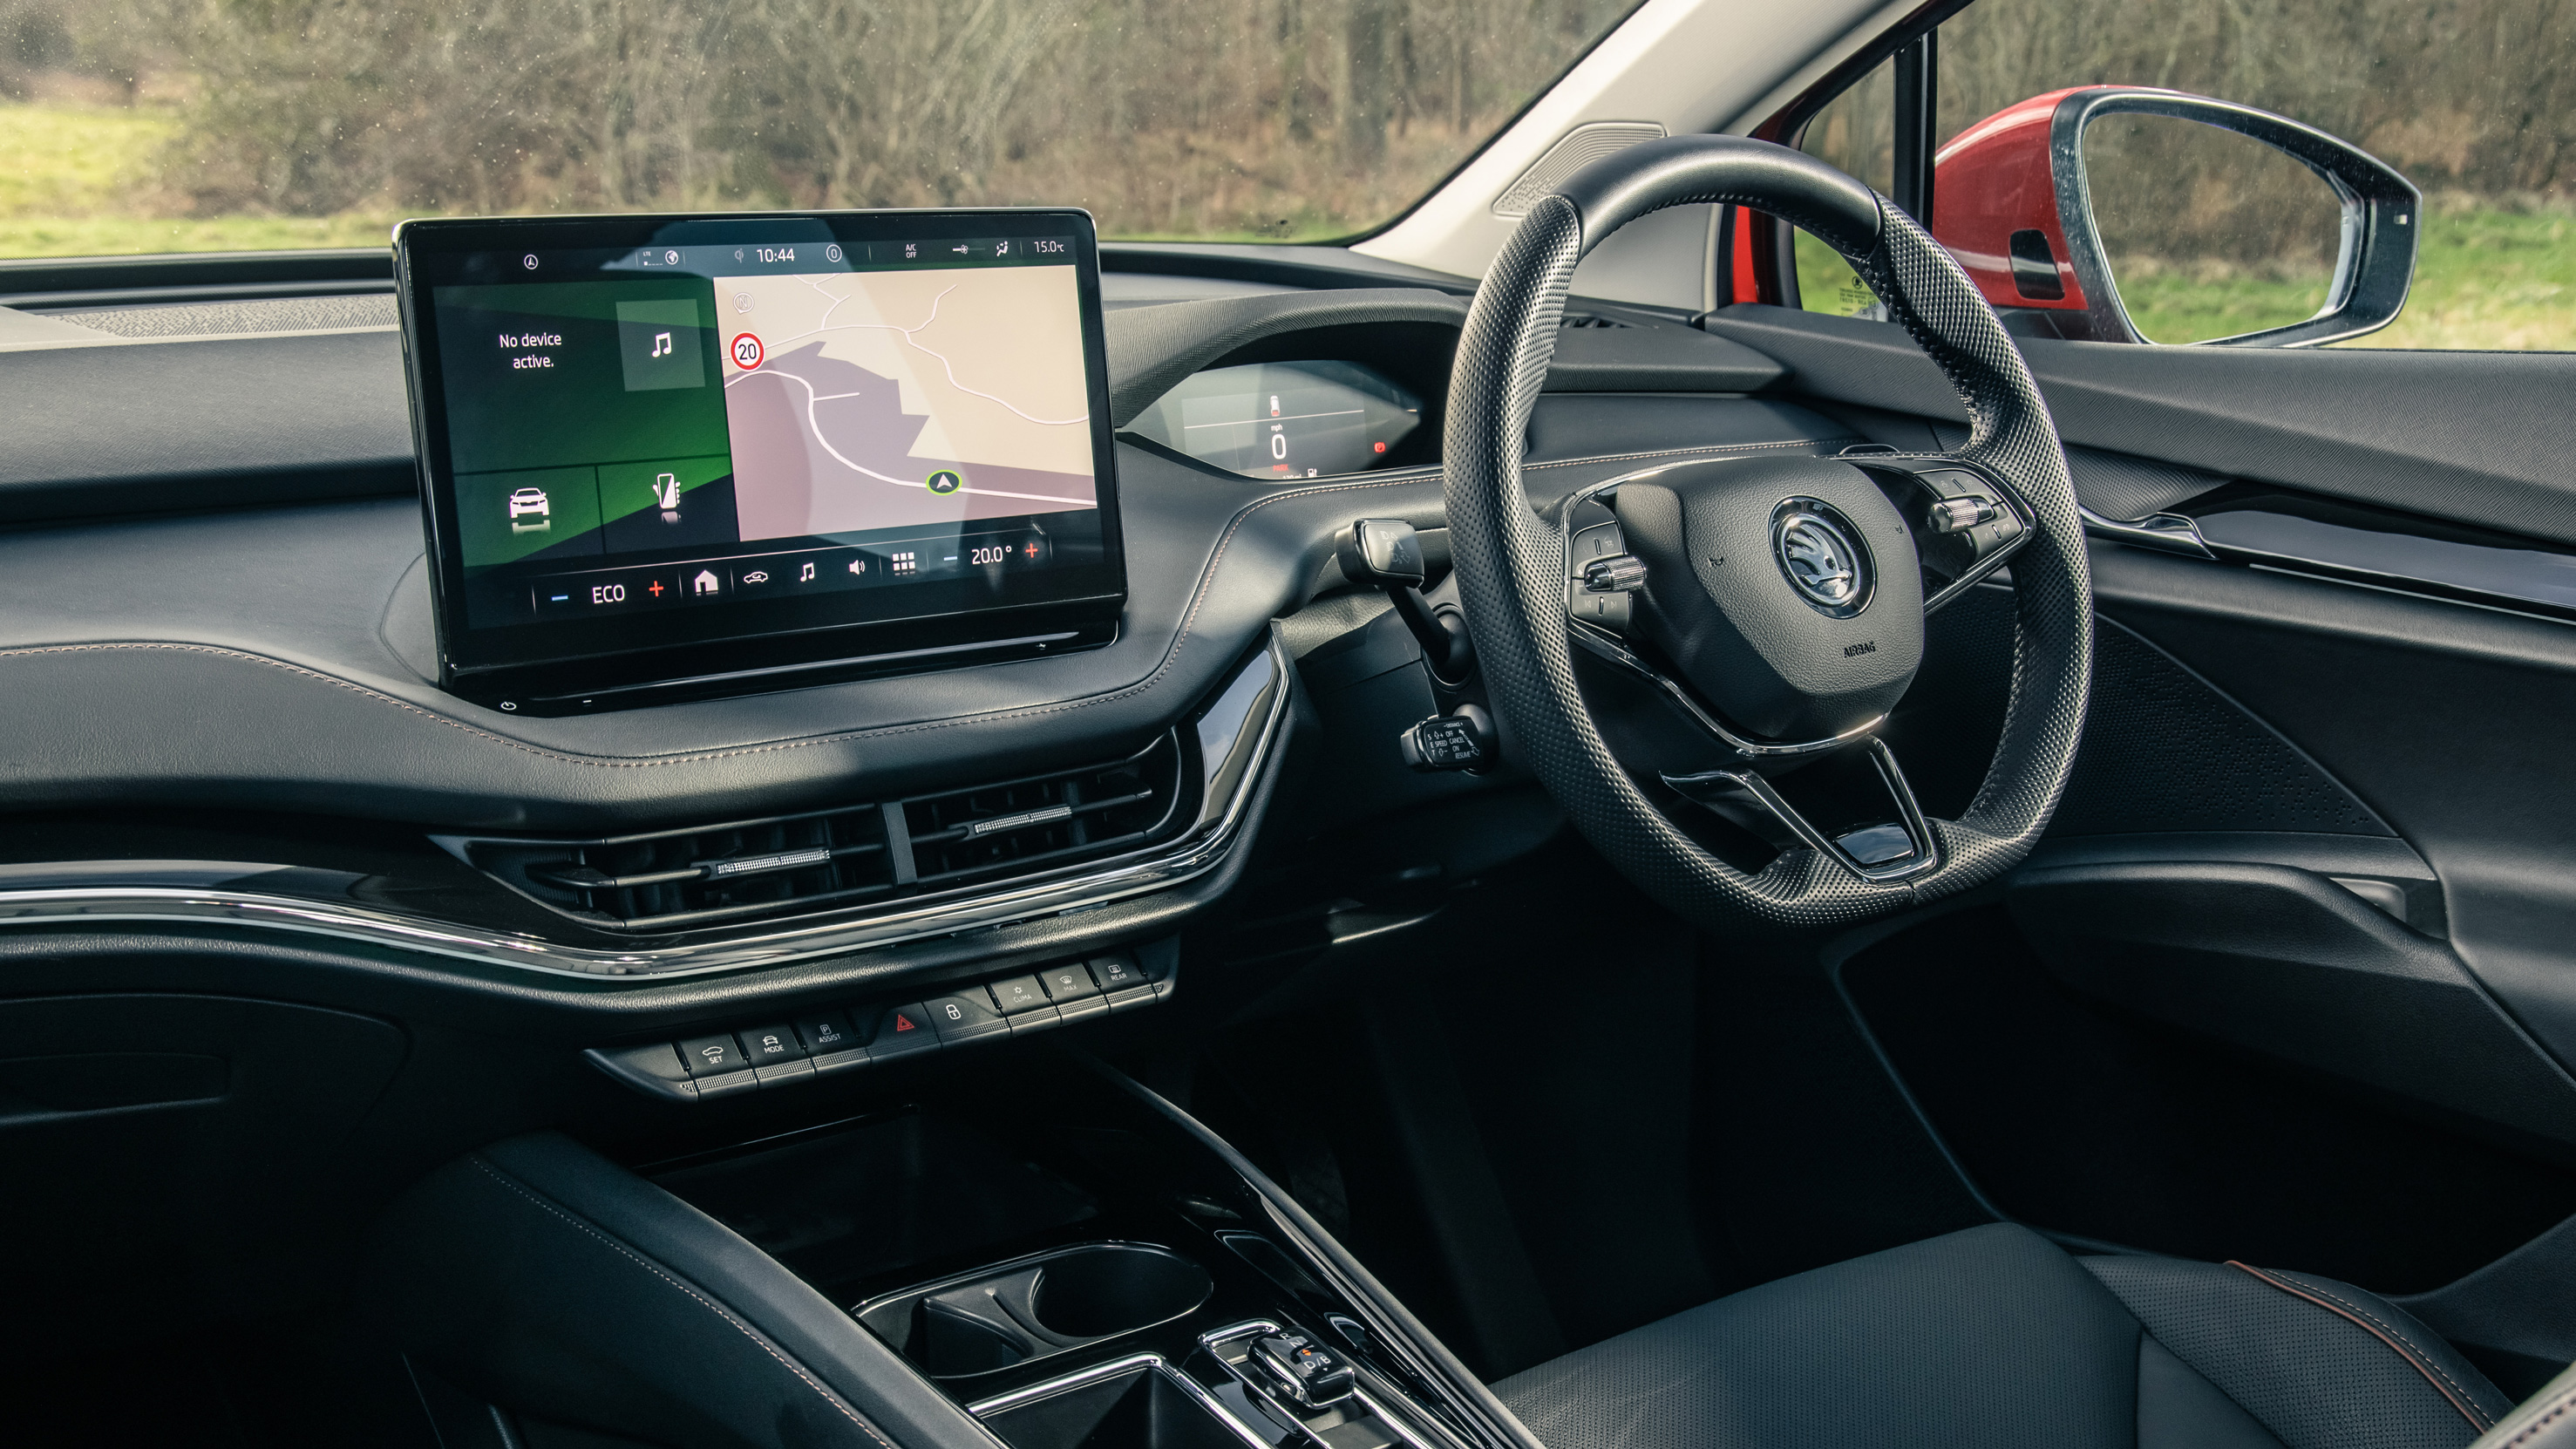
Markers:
<point>855,856</point>
<point>1587,321</point>
<point>974,835</point>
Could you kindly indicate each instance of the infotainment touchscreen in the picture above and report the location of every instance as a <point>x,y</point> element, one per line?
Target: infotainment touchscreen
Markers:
<point>665,450</point>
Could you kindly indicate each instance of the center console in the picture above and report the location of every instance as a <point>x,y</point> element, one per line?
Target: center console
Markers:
<point>1051,1259</point>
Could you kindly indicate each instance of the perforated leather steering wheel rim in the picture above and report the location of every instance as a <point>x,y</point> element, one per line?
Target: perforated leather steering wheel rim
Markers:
<point>1512,571</point>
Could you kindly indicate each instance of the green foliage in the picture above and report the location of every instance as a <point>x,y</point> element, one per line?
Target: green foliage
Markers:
<point>1283,119</point>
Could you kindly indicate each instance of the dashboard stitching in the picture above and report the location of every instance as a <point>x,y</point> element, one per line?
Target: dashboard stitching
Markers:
<point>1189,621</point>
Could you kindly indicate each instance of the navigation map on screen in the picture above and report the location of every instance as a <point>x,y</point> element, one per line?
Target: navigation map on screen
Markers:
<point>863,400</point>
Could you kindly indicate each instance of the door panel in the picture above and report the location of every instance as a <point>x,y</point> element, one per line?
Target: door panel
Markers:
<point>2475,437</point>
<point>2294,974</point>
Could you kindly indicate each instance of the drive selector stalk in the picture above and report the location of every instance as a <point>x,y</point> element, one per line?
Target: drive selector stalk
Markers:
<point>1386,553</point>
<point>1294,1366</point>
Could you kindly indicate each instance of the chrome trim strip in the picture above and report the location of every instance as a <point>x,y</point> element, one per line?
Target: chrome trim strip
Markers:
<point>2164,532</point>
<point>1211,838</point>
<point>1150,1362</point>
<point>1403,1427</point>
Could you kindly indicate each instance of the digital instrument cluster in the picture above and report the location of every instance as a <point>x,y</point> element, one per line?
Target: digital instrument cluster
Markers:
<point>1287,420</point>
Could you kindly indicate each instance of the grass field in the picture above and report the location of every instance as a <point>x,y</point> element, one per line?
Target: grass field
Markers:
<point>81,180</point>
<point>2487,278</point>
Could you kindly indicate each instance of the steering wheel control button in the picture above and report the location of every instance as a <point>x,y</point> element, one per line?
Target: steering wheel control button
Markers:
<point>1460,740</point>
<point>1821,556</point>
<point>968,1016</point>
<point>1294,1366</point>
<point>1958,515</point>
<point>1599,541</point>
<point>897,1031</point>
<point>1619,573</point>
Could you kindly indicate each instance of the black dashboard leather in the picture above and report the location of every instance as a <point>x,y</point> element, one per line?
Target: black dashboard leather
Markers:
<point>224,605</point>
<point>250,659</point>
<point>99,431</point>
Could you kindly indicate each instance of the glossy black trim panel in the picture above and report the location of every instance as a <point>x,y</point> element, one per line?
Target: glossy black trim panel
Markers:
<point>2386,549</point>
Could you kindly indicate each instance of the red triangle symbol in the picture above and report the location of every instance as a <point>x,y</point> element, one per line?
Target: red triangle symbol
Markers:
<point>902,1022</point>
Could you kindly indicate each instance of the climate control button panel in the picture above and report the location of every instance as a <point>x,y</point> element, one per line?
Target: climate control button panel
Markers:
<point>796,1048</point>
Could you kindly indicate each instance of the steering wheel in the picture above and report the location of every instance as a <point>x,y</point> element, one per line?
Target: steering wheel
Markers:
<point>1774,605</point>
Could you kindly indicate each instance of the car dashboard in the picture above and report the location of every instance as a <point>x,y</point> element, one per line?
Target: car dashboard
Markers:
<point>218,671</point>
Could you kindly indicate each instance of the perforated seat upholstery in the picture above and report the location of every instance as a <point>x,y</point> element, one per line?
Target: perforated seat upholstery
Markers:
<point>1996,1338</point>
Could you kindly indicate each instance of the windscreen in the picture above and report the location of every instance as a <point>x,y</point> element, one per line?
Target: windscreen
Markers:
<point>155,126</point>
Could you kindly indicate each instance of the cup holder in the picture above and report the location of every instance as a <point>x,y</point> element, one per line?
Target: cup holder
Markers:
<point>1032,1308</point>
<point>1113,1288</point>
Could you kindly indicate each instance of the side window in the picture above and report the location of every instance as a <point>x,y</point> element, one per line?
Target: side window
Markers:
<point>2204,234</point>
<point>1855,133</point>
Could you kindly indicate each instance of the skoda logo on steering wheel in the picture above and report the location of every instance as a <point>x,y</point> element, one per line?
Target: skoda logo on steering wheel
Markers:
<point>1821,555</point>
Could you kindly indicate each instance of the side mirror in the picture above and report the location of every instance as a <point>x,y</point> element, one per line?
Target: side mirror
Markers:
<point>2125,214</point>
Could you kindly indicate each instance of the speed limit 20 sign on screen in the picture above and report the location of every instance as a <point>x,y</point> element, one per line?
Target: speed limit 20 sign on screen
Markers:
<point>746,351</point>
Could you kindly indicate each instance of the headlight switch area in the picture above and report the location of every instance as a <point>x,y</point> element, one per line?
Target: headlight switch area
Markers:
<point>795,1048</point>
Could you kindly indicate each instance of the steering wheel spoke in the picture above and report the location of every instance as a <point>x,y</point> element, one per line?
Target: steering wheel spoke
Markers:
<point>1968,519</point>
<point>1878,855</point>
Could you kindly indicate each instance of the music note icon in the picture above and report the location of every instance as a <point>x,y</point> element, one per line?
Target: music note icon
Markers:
<point>662,344</point>
<point>807,576</point>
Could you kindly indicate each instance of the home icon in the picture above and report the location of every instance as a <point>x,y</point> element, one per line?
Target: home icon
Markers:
<point>705,583</point>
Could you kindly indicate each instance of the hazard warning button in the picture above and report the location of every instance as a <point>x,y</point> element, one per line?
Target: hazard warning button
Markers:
<point>893,1031</point>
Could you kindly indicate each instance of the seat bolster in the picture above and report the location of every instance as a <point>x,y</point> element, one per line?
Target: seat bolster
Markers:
<point>2178,1409</point>
<point>2320,1364</point>
<point>1985,1339</point>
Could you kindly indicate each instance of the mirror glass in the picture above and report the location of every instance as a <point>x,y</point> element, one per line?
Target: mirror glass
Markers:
<point>2209,233</point>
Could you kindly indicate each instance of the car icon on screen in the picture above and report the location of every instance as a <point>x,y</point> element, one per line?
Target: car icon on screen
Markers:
<point>527,501</point>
